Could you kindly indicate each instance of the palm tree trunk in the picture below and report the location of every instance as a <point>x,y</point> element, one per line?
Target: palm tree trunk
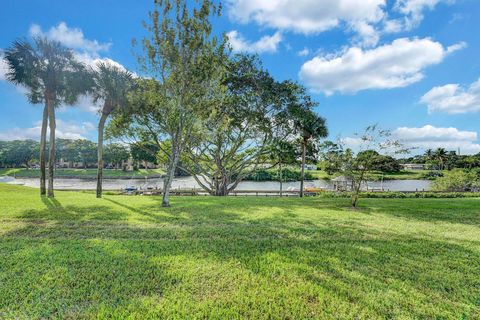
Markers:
<point>302,176</point>
<point>43,142</point>
<point>51,156</point>
<point>101,126</point>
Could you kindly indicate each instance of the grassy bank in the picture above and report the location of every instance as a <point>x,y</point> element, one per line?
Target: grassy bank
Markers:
<point>83,173</point>
<point>377,176</point>
<point>258,258</point>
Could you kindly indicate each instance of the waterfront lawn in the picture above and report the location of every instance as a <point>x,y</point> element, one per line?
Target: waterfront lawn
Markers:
<point>82,173</point>
<point>76,256</point>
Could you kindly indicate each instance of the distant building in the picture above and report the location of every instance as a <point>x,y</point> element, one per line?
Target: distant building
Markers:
<point>413,166</point>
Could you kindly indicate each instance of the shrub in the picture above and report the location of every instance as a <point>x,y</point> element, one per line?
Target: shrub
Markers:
<point>432,175</point>
<point>401,195</point>
<point>273,175</point>
<point>457,181</point>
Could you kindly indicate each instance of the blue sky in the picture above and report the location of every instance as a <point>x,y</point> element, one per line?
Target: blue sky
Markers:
<point>410,65</point>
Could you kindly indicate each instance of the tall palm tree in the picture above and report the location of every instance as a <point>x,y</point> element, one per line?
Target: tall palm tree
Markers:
<point>111,85</point>
<point>310,126</point>
<point>53,77</point>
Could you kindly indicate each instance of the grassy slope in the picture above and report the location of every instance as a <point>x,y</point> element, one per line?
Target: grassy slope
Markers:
<point>82,173</point>
<point>257,258</point>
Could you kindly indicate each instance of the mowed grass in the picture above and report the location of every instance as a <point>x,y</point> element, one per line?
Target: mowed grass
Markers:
<point>230,258</point>
<point>82,173</point>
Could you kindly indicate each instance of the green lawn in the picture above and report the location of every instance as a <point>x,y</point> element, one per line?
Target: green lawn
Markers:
<point>82,173</point>
<point>230,258</point>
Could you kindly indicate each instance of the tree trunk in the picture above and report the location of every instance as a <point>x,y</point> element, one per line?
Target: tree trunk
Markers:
<point>356,190</point>
<point>280,176</point>
<point>167,184</point>
<point>43,143</point>
<point>101,126</point>
<point>51,155</point>
<point>221,187</point>
<point>302,176</point>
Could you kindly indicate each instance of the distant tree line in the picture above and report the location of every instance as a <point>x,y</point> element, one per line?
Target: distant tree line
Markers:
<point>441,159</point>
<point>24,153</point>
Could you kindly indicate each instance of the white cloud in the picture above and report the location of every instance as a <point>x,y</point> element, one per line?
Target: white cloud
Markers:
<point>64,130</point>
<point>430,137</point>
<point>3,67</point>
<point>70,37</point>
<point>303,53</point>
<point>311,16</point>
<point>306,16</point>
<point>453,99</point>
<point>265,44</point>
<point>367,18</point>
<point>394,65</point>
<point>413,10</point>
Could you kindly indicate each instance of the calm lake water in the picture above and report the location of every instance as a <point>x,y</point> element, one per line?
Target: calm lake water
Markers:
<point>189,182</point>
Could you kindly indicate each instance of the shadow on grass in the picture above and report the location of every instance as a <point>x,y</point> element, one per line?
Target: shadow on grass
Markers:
<point>458,211</point>
<point>207,258</point>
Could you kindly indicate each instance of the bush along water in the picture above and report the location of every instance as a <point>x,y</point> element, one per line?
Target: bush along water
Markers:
<point>274,175</point>
<point>401,195</point>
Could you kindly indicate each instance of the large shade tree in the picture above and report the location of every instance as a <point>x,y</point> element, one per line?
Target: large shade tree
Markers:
<point>51,76</point>
<point>111,85</point>
<point>237,131</point>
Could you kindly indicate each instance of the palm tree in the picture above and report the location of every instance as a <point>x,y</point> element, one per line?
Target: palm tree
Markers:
<point>53,77</point>
<point>111,85</point>
<point>310,126</point>
<point>441,155</point>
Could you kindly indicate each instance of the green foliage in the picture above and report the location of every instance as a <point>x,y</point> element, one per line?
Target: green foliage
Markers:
<point>48,70</point>
<point>111,85</point>
<point>116,153</point>
<point>144,151</point>
<point>432,175</point>
<point>81,150</point>
<point>123,257</point>
<point>274,175</point>
<point>356,167</point>
<point>18,153</point>
<point>457,180</point>
<point>402,195</point>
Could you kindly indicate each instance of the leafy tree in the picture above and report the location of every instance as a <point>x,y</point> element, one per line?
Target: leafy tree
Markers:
<point>66,150</point>
<point>356,167</point>
<point>457,181</point>
<point>181,58</point>
<point>52,76</point>
<point>384,163</point>
<point>86,151</point>
<point>144,151</point>
<point>235,136</point>
<point>18,152</point>
<point>116,153</point>
<point>111,85</point>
